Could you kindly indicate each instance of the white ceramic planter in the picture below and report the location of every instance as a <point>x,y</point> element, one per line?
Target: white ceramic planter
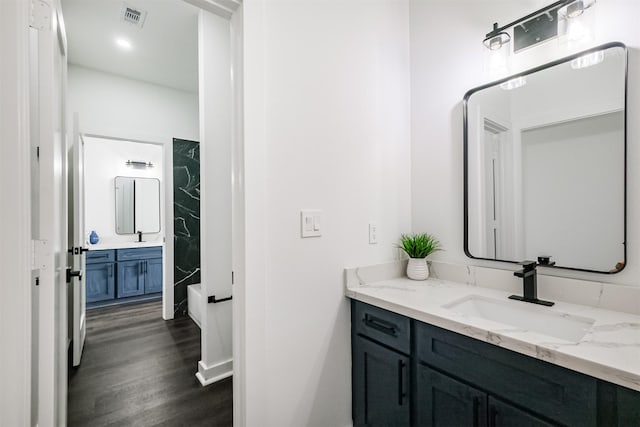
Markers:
<point>417,269</point>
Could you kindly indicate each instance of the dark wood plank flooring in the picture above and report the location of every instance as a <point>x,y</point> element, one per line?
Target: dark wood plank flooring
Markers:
<point>139,370</point>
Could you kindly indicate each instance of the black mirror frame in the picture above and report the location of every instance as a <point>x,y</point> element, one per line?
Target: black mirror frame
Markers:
<point>465,128</point>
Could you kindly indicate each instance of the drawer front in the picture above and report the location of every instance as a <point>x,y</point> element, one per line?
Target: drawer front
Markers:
<point>139,253</point>
<point>557,393</point>
<point>107,255</point>
<point>381,325</point>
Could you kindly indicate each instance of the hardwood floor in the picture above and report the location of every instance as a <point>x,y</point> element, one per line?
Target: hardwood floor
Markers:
<point>139,370</point>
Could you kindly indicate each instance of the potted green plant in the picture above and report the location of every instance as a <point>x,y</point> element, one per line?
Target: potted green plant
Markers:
<point>418,246</point>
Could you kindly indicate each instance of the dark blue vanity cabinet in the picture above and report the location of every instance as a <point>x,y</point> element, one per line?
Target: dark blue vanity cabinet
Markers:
<point>409,373</point>
<point>139,271</point>
<point>153,281</point>
<point>122,273</point>
<point>381,367</point>
<point>100,275</point>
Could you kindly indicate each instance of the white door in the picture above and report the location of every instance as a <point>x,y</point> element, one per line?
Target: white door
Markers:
<point>77,242</point>
<point>48,64</point>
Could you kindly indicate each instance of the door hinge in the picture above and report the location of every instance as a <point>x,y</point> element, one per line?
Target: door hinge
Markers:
<point>38,153</point>
<point>39,254</point>
<point>232,278</point>
<point>41,12</point>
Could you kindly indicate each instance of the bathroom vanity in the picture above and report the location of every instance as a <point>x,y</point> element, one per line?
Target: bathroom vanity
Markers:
<point>117,274</point>
<point>421,356</point>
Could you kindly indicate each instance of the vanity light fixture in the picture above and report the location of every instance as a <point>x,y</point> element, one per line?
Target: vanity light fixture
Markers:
<point>559,18</point>
<point>139,164</point>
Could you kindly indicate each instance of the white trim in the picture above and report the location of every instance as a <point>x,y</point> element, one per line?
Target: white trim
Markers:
<point>166,213</point>
<point>223,8</point>
<point>250,364</point>
<point>210,374</point>
<point>15,223</point>
<point>168,290</point>
<point>237,216</point>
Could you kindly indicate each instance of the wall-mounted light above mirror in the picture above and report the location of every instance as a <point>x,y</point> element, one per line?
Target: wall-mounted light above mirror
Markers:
<point>545,164</point>
<point>568,20</point>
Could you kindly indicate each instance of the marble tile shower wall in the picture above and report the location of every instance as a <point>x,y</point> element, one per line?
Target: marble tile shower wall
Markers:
<point>186,222</point>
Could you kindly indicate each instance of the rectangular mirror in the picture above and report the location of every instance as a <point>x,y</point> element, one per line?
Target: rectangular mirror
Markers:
<point>545,164</point>
<point>137,205</point>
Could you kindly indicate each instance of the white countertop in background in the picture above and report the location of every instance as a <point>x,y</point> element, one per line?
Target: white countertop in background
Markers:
<point>123,245</point>
<point>610,350</point>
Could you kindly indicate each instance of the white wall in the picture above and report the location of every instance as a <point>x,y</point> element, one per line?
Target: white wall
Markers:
<point>214,62</point>
<point>571,175</point>
<point>440,75</point>
<point>104,160</point>
<point>115,106</point>
<point>327,127</point>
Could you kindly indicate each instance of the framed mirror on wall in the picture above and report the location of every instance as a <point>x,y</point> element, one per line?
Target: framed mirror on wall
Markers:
<point>545,164</point>
<point>137,205</point>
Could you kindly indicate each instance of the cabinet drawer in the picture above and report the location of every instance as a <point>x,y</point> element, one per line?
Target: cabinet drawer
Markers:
<point>107,255</point>
<point>381,325</point>
<point>557,393</point>
<point>139,253</point>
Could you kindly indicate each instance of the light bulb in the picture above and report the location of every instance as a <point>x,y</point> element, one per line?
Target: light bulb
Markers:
<point>514,83</point>
<point>576,30</point>
<point>587,60</point>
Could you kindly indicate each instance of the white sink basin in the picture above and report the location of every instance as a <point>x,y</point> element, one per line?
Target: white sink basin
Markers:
<point>524,316</point>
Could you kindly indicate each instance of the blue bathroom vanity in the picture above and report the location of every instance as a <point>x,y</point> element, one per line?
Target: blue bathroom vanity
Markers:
<point>118,274</point>
<point>410,373</point>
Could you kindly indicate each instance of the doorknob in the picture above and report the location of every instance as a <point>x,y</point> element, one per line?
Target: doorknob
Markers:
<point>73,273</point>
<point>77,250</point>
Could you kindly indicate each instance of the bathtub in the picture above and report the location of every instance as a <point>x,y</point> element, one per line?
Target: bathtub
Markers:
<point>194,303</point>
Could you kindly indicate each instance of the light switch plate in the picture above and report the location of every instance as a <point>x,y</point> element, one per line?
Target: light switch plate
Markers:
<point>373,233</point>
<point>310,223</point>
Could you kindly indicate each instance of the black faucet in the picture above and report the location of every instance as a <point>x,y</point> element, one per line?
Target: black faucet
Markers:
<point>139,236</point>
<point>530,284</point>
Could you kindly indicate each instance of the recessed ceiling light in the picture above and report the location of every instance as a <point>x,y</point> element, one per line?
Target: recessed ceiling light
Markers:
<point>123,44</point>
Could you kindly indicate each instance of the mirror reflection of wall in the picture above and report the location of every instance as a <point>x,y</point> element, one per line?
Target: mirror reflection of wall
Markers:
<point>137,204</point>
<point>125,217</point>
<point>106,159</point>
<point>546,166</point>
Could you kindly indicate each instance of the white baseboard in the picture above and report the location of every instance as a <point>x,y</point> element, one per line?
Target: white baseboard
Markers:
<point>211,374</point>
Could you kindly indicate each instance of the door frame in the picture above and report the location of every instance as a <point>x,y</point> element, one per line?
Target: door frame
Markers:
<point>16,247</point>
<point>166,209</point>
<point>15,224</point>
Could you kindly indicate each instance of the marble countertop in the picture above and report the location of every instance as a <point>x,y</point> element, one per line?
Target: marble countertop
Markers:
<point>610,350</point>
<point>123,245</point>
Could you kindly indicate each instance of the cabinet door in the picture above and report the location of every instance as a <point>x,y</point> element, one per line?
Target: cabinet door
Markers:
<point>130,278</point>
<point>153,275</point>
<point>442,401</point>
<point>380,385</point>
<point>100,282</point>
<point>502,414</point>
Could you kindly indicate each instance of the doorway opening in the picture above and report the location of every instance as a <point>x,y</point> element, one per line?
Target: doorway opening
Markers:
<point>123,99</point>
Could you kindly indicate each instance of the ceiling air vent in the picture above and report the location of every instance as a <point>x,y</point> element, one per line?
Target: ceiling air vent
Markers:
<point>133,15</point>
